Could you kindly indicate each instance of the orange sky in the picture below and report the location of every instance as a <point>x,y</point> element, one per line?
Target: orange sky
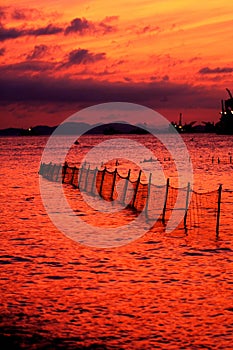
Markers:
<point>63,55</point>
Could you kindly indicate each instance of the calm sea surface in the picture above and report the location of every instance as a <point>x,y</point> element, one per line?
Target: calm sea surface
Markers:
<point>163,291</point>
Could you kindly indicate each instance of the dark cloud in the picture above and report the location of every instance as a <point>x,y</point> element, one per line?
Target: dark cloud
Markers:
<point>160,94</point>
<point>153,78</point>
<point>26,66</point>
<point>148,29</point>
<point>105,28</point>
<point>34,64</point>
<point>159,78</point>
<point>21,14</point>
<point>10,33</point>
<point>193,59</point>
<point>2,12</point>
<point>18,14</point>
<point>13,33</point>
<point>14,13</point>
<point>50,29</point>
<point>78,25</point>
<point>218,70</point>
<point>82,26</point>
<point>38,52</point>
<point>2,51</point>
<point>83,56</point>
<point>165,77</point>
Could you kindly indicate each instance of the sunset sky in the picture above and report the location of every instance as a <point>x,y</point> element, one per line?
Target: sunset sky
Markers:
<point>59,56</point>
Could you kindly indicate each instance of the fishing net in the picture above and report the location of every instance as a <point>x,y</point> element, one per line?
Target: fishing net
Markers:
<point>199,210</point>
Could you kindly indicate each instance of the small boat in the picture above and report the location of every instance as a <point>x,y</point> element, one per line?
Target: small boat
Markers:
<point>149,160</point>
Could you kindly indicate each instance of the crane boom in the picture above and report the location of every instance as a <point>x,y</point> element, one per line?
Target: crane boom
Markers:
<point>229,93</point>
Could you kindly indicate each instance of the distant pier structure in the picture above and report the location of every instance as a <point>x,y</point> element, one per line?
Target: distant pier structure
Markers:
<point>180,127</point>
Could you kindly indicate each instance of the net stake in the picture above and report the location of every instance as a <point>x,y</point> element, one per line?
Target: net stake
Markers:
<point>64,168</point>
<point>113,184</point>
<point>148,195</point>
<point>186,206</point>
<point>126,186</point>
<point>136,189</point>
<point>94,181</point>
<point>72,177</point>
<point>86,180</point>
<point>80,177</point>
<point>219,210</point>
<point>165,201</point>
<point>102,182</point>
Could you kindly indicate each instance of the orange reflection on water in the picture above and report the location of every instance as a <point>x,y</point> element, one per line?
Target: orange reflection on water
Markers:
<point>163,290</point>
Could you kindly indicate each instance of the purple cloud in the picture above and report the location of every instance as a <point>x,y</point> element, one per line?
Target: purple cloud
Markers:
<point>2,12</point>
<point>160,94</point>
<point>83,56</point>
<point>21,14</point>
<point>148,29</point>
<point>166,77</point>
<point>27,66</point>
<point>13,33</point>
<point>82,26</point>
<point>78,25</point>
<point>50,29</point>
<point>218,70</point>
<point>105,28</point>
<point>38,52</point>
<point>18,14</point>
<point>9,33</point>
<point>2,51</point>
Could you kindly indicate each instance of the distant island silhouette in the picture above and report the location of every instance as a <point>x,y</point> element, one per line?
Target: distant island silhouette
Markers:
<point>109,129</point>
<point>224,126</point>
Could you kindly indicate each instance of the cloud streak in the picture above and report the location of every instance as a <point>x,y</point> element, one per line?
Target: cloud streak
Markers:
<point>34,62</point>
<point>82,26</point>
<point>83,56</point>
<point>78,26</point>
<point>218,70</point>
<point>26,66</point>
<point>19,14</point>
<point>14,33</point>
<point>23,14</point>
<point>50,29</point>
<point>163,94</point>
